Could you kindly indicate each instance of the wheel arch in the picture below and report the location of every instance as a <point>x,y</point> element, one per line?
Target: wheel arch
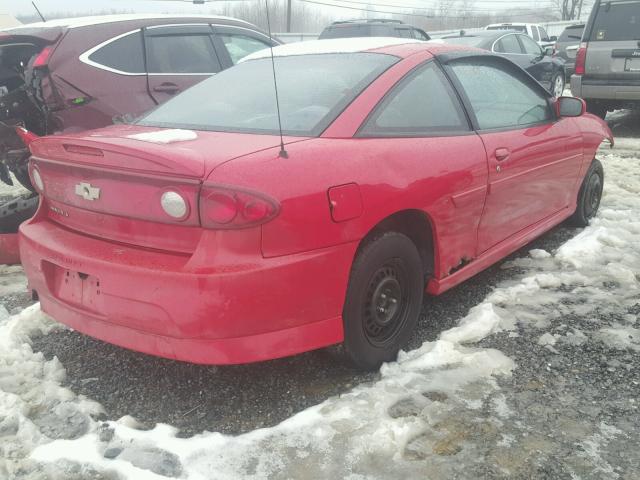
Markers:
<point>415,224</point>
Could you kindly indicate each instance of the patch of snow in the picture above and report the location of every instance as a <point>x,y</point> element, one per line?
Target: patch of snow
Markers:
<point>538,253</point>
<point>168,135</point>
<point>620,337</point>
<point>12,280</point>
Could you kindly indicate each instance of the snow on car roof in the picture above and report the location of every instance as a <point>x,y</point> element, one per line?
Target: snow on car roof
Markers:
<point>100,19</point>
<point>334,45</point>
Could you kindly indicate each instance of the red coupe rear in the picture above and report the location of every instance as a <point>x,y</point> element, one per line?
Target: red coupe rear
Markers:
<point>407,166</point>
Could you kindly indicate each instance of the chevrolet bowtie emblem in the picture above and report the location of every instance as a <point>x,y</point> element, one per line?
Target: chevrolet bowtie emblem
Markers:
<point>86,191</point>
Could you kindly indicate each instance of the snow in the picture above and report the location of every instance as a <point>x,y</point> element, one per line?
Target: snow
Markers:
<point>333,45</point>
<point>169,135</point>
<point>376,430</point>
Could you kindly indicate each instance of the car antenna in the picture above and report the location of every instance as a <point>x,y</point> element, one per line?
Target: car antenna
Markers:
<point>38,10</point>
<point>283,153</point>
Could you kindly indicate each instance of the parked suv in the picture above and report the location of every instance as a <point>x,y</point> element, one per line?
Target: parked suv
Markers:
<point>535,31</point>
<point>71,75</point>
<point>372,28</point>
<point>607,70</point>
<point>567,46</point>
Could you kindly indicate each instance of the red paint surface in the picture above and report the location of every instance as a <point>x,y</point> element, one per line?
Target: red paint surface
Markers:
<point>118,269</point>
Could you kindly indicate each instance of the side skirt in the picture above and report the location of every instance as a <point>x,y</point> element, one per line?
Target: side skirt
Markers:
<point>498,252</point>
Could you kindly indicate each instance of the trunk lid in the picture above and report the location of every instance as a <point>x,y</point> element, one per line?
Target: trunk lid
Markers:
<point>109,183</point>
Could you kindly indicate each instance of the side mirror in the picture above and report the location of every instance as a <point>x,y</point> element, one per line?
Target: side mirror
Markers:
<point>553,38</point>
<point>570,107</point>
<point>548,51</point>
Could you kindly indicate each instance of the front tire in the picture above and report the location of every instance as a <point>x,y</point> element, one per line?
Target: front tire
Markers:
<point>589,195</point>
<point>383,302</point>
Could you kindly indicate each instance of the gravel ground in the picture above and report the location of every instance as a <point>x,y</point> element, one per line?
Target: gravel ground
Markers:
<point>565,401</point>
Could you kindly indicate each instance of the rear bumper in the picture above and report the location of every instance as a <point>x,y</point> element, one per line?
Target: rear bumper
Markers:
<point>614,90</point>
<point>246,309</point>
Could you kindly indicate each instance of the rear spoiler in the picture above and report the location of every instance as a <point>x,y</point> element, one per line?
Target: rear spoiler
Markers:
<point>26,34</point>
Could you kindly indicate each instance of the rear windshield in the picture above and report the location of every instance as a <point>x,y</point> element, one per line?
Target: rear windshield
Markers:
<point>517,28</point>
<point>570,34</point>
<point>349,31</point>
<point>469,41</point>
<point>617,21</point>
<point>313,90</point>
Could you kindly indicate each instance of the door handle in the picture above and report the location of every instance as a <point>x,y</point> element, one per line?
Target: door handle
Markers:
<point>502,154</point>
<point>166,88</point>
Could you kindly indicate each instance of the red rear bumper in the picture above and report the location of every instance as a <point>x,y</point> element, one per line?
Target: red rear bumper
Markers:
<point>244,309</point>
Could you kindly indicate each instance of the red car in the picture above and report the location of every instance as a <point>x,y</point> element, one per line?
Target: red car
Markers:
<point>405,167</point>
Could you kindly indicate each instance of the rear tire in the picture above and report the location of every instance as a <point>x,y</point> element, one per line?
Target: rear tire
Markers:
<point>383,302</point>
<point>596,108</point>
<point>589,195</point>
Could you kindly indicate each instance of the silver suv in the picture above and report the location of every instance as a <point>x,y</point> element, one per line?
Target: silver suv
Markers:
<point>607,69</point>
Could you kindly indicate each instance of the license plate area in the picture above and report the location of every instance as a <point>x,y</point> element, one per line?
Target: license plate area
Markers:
<point>632,65</point>
<point>78,289</point>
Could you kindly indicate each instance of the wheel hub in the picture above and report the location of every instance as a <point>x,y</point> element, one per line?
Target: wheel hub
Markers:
<point>385,305</point>
<point>386,300</point>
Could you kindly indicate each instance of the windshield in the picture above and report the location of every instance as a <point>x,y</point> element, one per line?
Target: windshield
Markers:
<point>517,28</point>
<point>469,40</point>
<point>617,21</point>
<point>313,90</point>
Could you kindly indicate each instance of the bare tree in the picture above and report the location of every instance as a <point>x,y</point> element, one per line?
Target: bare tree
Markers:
<point>568,8</point>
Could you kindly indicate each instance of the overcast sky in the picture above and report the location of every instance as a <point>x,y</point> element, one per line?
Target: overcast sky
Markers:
<point>24,7</point>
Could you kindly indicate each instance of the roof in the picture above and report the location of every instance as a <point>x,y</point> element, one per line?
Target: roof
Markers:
<point>102,19</point>
<point>515,24</point>
<point>483,33</point>
<point>333,45</point>
<point>368,21</point>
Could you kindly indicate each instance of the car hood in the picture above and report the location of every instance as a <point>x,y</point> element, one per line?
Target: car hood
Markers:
<point>163,151</point>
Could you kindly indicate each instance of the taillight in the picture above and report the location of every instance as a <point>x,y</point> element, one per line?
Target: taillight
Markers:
<point>223,207</point>
<point>581,56</point>
<point>42,59</point>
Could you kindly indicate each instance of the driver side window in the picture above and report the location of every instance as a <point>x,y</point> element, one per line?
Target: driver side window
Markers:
<point>498,98</point>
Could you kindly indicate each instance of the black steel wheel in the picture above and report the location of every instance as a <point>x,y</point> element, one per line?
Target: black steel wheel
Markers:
<point>589,195</point>
<point>383,300</point>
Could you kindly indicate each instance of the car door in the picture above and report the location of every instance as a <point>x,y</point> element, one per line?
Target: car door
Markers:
<point>539,65</point>
<point>234,43</point>
<point>533,157</point>
<point>419,138</point>
<point>177,57</point>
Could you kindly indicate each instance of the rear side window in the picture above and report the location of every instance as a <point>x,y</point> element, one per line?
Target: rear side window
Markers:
<point>181,54</point>
<point>403,33</point>
<point>571,34</point>
<point>616,21</point>
<point>517,28</point>
<point>240,46</point>
<point>543,34</point>
<point>508,44</point>
<point>312,89</point>
<point>421,104</point>
<point>500,99</point>
<point>123,54</point>
<point>534,32</point>
<point>350,31</point>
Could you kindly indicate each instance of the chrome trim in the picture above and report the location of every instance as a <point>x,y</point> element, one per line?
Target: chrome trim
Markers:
<point>84,57</point>
<point>183,74</point>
